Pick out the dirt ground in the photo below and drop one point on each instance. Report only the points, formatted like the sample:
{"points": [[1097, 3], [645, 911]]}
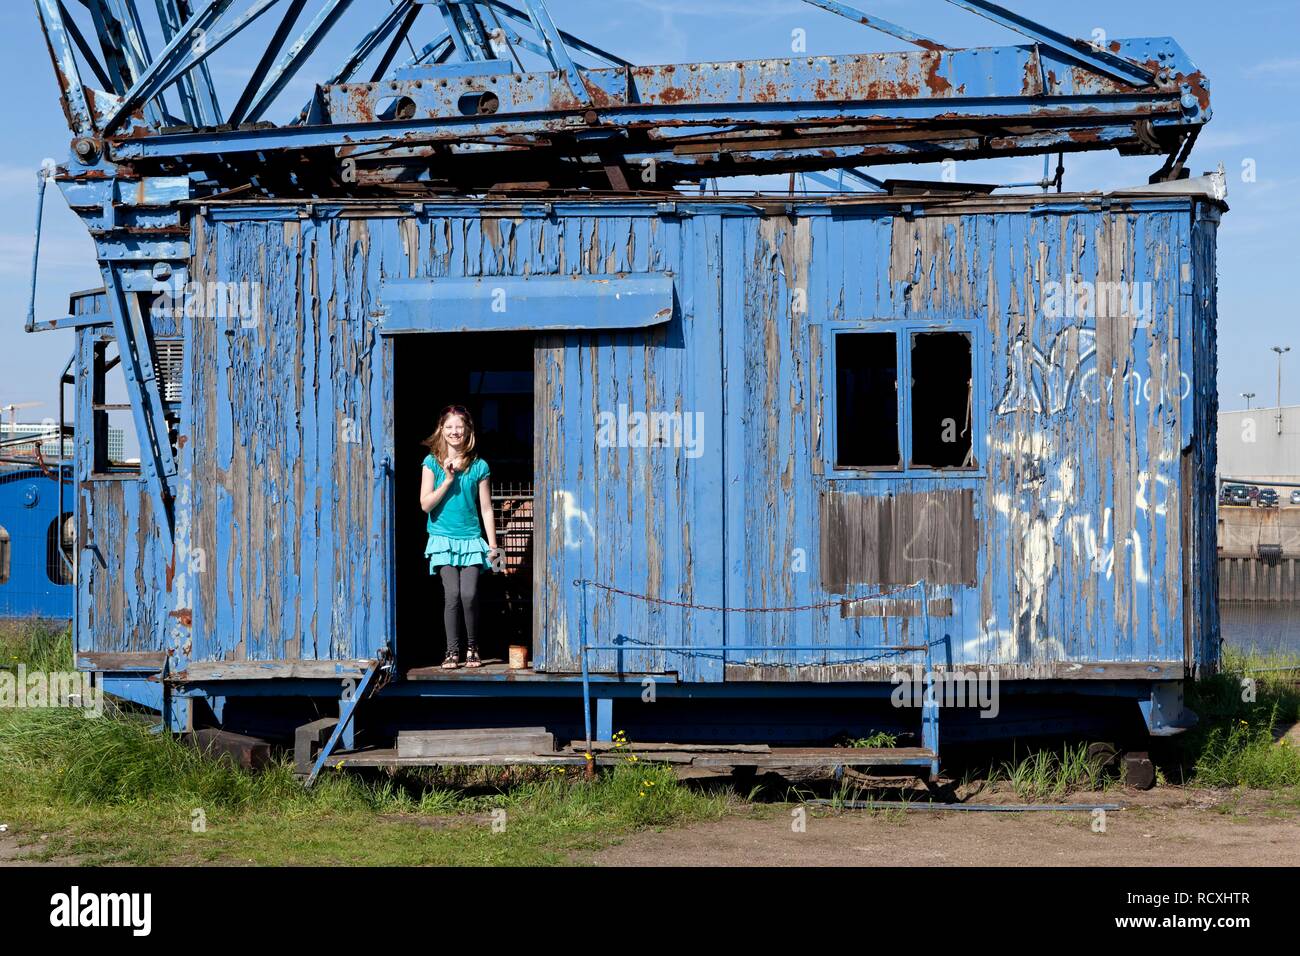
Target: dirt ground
{"points": [[13, 854], [1169, 827]]}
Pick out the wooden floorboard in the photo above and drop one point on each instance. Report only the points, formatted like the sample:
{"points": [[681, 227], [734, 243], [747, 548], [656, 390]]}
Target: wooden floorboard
{"points": [[496, 670], [775, 757]]}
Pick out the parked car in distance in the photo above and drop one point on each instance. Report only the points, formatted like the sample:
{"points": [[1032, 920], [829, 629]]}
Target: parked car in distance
{"points": [[1253, 491], [1268, 498], [1235, 495], [1295, 496]]}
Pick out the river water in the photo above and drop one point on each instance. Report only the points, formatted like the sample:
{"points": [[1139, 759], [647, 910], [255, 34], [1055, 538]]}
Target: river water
{"points": [[1266, 628]]}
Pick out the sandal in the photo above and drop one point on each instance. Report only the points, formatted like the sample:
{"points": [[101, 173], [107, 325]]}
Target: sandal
{"points": [[471, 658], [451, 661]]}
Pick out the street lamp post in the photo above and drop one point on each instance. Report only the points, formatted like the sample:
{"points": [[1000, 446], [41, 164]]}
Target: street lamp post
{"points": [[1247, 396], [1280, 350]]}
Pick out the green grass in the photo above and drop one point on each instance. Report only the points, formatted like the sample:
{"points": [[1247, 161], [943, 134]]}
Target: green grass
{"points": [[1045, 774], [108, 790], [1234, 745], [1246, 755], [38, 644]]}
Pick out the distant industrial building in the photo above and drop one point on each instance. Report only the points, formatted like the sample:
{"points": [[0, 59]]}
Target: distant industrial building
{"points": [[50, 448], [1252, 446], [1259, 547]]}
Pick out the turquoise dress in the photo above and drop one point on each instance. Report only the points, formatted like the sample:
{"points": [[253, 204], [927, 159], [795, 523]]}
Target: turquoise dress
{"points": [[454, 531]]}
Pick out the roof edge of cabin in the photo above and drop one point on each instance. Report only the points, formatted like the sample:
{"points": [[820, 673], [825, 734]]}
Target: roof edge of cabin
{"points": [[756, 204]]}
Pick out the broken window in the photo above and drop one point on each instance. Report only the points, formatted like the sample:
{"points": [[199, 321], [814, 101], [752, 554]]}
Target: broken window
{"points": [[866, 400], [941, 400], [115, 447], [903, 408]]}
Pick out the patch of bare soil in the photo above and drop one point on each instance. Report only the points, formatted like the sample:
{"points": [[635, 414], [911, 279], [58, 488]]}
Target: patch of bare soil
{"points": [[1167, 827], [438, 823], [16, 852]]}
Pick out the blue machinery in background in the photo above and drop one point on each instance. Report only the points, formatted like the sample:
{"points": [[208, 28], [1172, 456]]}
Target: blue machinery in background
{"points": [[35, 568], [463, 111]]}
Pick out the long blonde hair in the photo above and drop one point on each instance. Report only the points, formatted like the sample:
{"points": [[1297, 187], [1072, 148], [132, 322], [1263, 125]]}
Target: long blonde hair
{"points": [[437, 444]]}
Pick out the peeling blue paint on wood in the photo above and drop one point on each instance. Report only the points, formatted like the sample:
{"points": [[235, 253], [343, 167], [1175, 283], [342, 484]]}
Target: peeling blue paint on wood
{"points": [[1087, 518]]}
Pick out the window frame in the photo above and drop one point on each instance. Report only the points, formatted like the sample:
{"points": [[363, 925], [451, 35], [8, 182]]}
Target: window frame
{"points": [[903, 331], [833, 404], [101, 368]]}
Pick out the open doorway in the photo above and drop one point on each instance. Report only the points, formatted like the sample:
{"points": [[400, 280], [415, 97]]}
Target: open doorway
{"points": [[491, 374]]}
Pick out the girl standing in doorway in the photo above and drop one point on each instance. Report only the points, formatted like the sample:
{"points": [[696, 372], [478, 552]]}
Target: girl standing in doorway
{"points": [[453, 493]]}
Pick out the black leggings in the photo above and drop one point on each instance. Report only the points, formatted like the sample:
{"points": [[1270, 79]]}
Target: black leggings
{"points": [[460, 588]]}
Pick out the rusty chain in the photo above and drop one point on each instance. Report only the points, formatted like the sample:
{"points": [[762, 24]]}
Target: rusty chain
{"points": [[581, 582]]}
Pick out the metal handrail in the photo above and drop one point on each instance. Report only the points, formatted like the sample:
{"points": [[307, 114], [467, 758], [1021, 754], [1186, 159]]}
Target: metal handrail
{"points": [[929, 709]]}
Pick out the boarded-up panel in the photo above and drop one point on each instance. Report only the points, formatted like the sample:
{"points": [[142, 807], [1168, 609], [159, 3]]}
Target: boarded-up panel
{"points": [[927, 536]]}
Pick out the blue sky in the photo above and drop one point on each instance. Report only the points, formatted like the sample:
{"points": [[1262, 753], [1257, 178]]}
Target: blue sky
{"points": [[1247, 49]]}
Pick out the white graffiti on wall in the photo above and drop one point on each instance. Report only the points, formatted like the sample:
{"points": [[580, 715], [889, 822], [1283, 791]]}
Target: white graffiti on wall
{"points": [[1043, 382], [1098, 546], [933, 524], [1047, 519], [570, 521], [1002, 644], [1047, 382], [1162, 490], [1035, 514]]}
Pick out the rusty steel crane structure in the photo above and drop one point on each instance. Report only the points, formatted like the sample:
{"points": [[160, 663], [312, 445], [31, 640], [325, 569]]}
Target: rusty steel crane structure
{"points": [[444, 95]]}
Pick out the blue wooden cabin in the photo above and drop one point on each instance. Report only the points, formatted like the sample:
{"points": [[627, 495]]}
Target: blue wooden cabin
{"points": [[804, 358], [754, 455]]}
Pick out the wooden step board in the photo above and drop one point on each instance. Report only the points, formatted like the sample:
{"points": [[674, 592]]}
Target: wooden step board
{"points": [[507, 741], [768, 758], [605, 746]]}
